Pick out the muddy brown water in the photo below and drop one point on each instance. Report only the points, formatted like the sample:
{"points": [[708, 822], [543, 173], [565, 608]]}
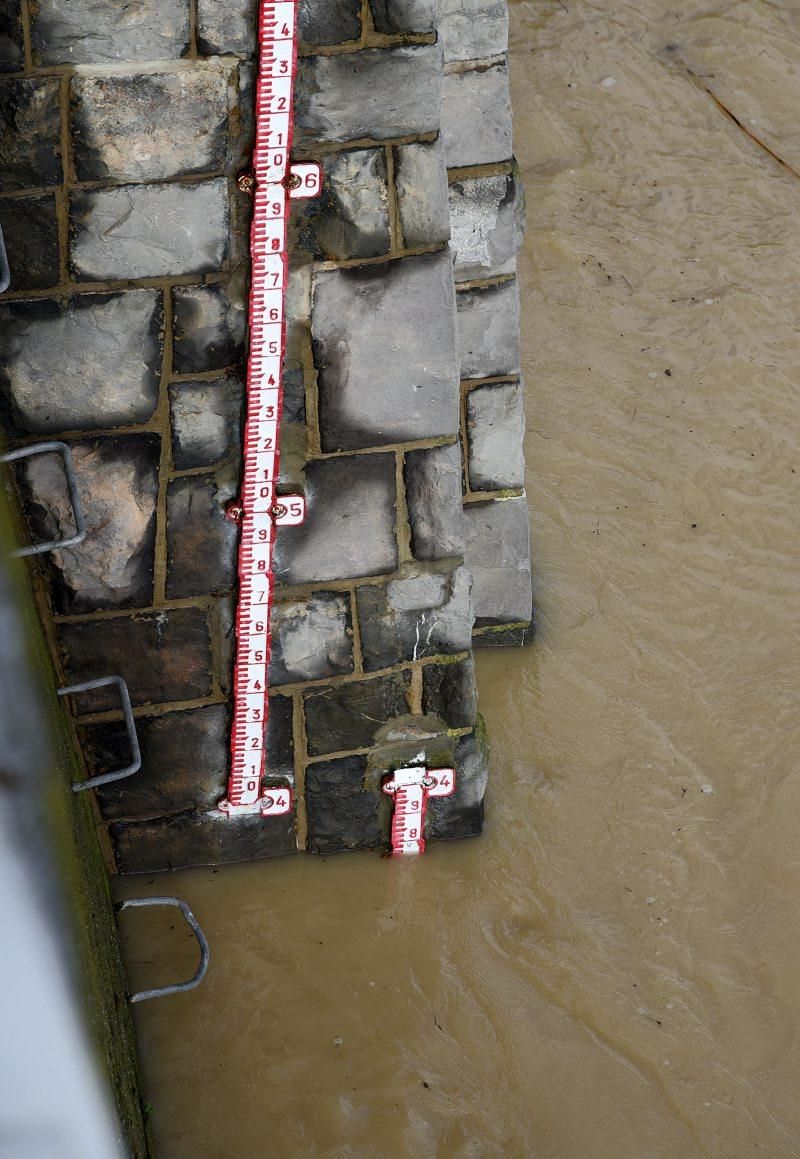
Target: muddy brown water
{"points": [[614, 968]]}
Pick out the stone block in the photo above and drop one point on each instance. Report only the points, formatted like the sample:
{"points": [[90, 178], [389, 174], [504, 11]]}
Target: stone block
{"points": [[206, 421], [476, 117], [434, 498], [85, 32], [384, 348], [495, 432], [425, 611], [421, 179], [329, 21], [117, 480], [30, 127], [488, 330], [473, 29], [30, 232], [12, 44], [163, 656], [201, 542], [199, 839], [145, 127], [349, 530], [311, 639], [209, 327], [351, 217], [293, 437], [377, 94], [487, 223], [342, 813], [148, 231], [459, 816], [504, 636], [497, 553], [227, 26], [410, 740], [450, 692], [347, 715], [83, 338], [185, 762], [404, 15]]}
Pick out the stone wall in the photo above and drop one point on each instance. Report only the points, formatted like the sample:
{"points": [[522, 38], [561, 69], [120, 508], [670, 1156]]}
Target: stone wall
{"points": [[124, 333]]}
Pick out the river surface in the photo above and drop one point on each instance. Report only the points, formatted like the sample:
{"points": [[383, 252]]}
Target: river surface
{"points": [[613, 970]]}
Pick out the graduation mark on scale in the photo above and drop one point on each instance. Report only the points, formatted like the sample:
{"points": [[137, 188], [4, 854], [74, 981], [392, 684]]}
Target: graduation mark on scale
{"points": [[259, 510]]}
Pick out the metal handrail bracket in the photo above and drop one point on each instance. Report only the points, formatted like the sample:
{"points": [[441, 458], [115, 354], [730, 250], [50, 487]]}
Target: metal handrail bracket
{"points": [[130, 724], [192, 922], [77, 512]]}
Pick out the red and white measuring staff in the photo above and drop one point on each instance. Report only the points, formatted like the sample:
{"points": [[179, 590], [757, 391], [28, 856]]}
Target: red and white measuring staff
{"points": [[411, 789], [259, 511]]}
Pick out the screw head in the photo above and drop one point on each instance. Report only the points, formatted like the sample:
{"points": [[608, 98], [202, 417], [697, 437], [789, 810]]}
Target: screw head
{"points": [[293, 181], [246, 182]]}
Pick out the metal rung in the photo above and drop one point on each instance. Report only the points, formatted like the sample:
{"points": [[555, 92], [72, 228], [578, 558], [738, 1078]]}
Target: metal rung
{"points": [[5, 272], [177, 987], [130, 724], [69, 471]]}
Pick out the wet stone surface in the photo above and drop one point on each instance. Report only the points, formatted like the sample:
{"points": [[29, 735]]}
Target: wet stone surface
{"points": [[30, 126], [350, 219], [404, 15], [83, 336], [452, 818], [347, 716], [349, 530], [487, 223], [425, 611], [81, 33], [30, 233], [201, 541], [144, 231], [163, 656], [147, 127], [206, 421], [342, 814], [12, 44], [497, 553], [199, 839], [495, 432], [227, 26], [434, 496], [329, 21], [311, 639], [402, 316], [479, 97], [488, 330], [449, 691], [210, 323], [117, 480], [421, 178]]}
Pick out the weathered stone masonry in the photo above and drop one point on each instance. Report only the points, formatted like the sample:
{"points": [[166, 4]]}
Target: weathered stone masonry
{"points": [[123, 130]]}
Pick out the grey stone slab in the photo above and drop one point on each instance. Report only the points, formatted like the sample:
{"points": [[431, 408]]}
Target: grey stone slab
{"points": [[108, 31], [117, 481], [497, 553], [30, 233], [488, 330], [473, 29], [424, 611], [384, 348], [329, 21], [476, 117], [413, 740], [450, 692], [145, 231], [206, 421], [56, 358], [201, 541], [376, 93], [145, 127], [163, 656], [209, 326], [351, 217], [311, 639], [495, 432], [347, 715], [504, 636], [434, 492], [30, 127], [349, 530], [487, 223], [459, 816], [199, 839], [404, 15], [421, 180], [12, 44], [227, 26], [343, 814]]}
